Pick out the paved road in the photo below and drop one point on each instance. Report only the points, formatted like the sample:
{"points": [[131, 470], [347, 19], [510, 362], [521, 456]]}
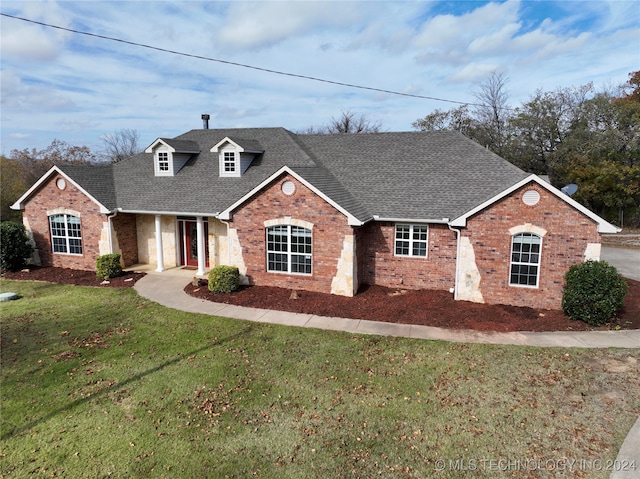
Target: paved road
{"points": [[626, 260]]}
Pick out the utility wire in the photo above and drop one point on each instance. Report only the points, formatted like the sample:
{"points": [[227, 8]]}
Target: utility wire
{"points": [[242, 65]]}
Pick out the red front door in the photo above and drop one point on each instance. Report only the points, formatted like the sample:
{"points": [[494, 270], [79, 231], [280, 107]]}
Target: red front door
{"points": [[189, 243]]}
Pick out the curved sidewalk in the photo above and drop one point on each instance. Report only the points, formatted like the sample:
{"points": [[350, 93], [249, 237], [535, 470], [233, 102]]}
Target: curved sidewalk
{"points": [[167, 290]]}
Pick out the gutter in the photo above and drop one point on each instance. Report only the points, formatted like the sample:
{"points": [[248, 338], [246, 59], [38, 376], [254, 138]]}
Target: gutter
{"points": [[455, 281], [442, 221], [109, 229]]}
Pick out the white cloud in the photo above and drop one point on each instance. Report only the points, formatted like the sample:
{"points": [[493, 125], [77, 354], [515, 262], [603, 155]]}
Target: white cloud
{"points": [[250, 25], [17, 94], [82, 87]]}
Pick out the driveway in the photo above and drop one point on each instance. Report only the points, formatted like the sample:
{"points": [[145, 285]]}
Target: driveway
{"points": [[626, 260]]}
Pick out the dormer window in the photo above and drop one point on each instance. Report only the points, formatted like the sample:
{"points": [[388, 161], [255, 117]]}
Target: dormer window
{"points": [[163, 161], [229, 162], [235, 155], [170, 155]]}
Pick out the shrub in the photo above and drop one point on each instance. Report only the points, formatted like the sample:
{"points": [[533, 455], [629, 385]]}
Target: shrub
{"points": [[593, 292], [224, 279], [15, 247], [108, 266]]}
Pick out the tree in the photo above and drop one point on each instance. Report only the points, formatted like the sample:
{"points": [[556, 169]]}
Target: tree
{"points": [[13, 183], [348, 122], [457, 119], [120, 145], [492, 118]]}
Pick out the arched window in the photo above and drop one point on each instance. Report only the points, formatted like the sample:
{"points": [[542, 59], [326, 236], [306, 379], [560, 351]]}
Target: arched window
{"points": [[525, 260], [66, 234], [289, 249]]}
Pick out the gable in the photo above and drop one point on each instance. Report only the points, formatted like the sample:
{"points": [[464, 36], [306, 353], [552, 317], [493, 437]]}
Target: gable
{"points": [[227, 214], [100, 184], [603, 226]]}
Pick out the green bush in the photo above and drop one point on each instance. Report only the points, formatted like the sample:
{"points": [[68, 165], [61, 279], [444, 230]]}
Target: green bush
{"points": [[108, 266], [224, 279], [15, 248], [593, 292]]}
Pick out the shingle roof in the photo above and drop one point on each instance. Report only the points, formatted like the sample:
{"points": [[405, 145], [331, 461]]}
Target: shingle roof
{"points": [[412, 175], [182, 145], [96, 180]]}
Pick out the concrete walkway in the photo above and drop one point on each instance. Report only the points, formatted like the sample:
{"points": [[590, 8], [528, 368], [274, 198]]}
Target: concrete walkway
{"points": [[167, 289]]}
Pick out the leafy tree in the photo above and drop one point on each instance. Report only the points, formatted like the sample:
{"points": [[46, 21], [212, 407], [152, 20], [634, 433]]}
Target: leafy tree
{"points": [[456, 119], [120, 145], [37, 162], [13, 183]]}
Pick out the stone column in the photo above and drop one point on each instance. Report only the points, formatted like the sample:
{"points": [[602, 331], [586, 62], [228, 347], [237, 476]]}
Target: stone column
{"points": [[159, 255]]}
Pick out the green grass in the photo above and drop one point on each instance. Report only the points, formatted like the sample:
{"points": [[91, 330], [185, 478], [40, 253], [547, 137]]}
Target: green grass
{"points": [[103, 383]]}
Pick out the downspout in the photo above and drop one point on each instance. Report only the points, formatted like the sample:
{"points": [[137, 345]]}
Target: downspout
{"points": [[109, 227], [455, 282]]}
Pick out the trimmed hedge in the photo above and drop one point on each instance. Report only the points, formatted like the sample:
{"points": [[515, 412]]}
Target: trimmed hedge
{"points": [[108, 266], [593, 292], [15, 248], [224, 279]]}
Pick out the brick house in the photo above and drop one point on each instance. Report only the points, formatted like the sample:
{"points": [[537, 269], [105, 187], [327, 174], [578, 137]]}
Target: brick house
{"points": [[324, 213]]}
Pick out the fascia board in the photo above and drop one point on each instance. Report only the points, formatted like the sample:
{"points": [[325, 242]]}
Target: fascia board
{"points": [[168, 213], [226, 139], [603, 226], [441, 221], [226, 215], [159, 141], [238, 147], [18, 205]]}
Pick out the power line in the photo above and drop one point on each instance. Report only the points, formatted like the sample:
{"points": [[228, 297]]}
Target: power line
{"points": [[242, 65]]}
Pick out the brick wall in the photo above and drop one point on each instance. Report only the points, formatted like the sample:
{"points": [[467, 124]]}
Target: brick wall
{"points": [[564, 244], [125, 232], [379, 265], [50, 197], [329, 230]]}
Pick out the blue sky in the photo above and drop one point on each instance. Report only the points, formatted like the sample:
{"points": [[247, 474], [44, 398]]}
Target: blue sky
{"points": [[59, 85]]}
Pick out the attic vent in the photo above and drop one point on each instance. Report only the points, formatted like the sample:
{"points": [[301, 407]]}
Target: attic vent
{"points": [[288, 187], [531, 197]]}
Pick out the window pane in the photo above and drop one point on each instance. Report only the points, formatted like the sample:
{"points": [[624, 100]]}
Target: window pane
{"points": [[525, 257], [420, 249], [66, 234], [402, 247], [289, 249]]}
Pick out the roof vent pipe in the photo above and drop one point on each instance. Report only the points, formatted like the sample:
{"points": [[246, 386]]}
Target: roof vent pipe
{"points": [[205, 121]]}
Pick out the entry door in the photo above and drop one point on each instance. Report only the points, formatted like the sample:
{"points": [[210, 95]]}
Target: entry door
{"points": [[189, 243]]}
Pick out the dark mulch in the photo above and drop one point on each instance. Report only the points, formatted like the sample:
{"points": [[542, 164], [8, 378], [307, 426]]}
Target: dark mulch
{"points": [[423, 307], [73, 276], [376, 303]]}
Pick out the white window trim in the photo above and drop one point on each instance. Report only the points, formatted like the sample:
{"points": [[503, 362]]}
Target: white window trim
{"points": [[236, 157], [156, 162], [411, 241], [538, 264], [66, 236], [289, 253]]}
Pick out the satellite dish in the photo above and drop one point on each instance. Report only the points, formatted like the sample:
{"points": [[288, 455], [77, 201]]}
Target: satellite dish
{"points": [[570, 189]]}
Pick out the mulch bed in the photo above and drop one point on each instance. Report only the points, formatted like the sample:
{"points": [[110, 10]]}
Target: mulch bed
{"points": [[72, 276], [421, 307], [376, 303]]}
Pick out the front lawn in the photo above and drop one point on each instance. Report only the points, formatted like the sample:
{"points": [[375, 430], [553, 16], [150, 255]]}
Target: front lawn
{"points": [[103, 383]]}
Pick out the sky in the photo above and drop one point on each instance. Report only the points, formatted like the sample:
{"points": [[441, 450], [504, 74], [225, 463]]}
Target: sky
{"points": [[56, 84]]}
